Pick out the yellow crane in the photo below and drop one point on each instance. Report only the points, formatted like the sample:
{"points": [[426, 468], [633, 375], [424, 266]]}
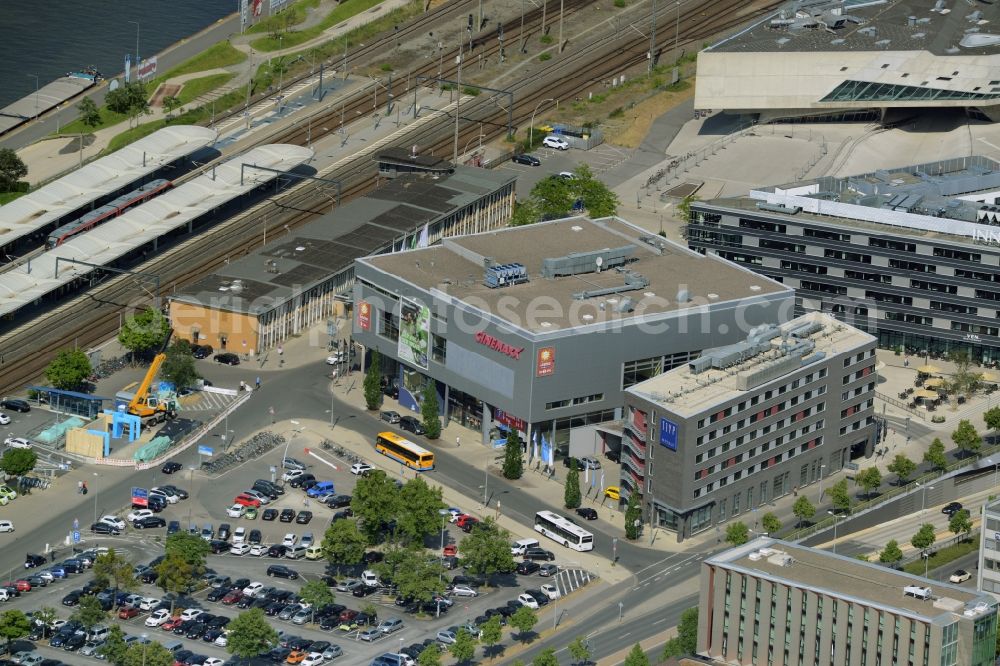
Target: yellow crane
{"points": [[147, 406]]}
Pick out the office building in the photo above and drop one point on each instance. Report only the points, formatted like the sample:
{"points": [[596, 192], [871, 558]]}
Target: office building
{"points": [[988, 569]]}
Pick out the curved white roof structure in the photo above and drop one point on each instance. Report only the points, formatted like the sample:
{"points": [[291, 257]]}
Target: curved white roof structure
{"points": [[131, 230], [100, 178]]}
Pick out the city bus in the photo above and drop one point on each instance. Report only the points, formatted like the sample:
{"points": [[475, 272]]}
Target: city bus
{"points": [[565, 532], [401, 449]]}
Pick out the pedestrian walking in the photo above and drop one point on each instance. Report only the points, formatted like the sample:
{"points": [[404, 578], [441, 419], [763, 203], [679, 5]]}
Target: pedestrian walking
{"points": [[458, 442], [79, 487], [258, 382]]}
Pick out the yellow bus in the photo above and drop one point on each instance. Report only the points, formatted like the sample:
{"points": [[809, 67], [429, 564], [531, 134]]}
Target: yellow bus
{"points": [[401, 449]]}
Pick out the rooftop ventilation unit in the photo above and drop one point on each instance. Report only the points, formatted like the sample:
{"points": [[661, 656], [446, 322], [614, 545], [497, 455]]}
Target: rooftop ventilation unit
{"points": [[778, 208], [505, 275], [917, 591], [579, 263], [633, 281], [870, 31]]}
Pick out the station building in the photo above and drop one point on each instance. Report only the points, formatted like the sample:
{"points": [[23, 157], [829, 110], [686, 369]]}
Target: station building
{"points": [[911, 255], [747, 423], [304, 276], [541, 328]]}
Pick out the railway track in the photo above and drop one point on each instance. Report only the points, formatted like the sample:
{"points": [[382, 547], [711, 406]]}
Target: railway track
{"points": [[92, 317]]}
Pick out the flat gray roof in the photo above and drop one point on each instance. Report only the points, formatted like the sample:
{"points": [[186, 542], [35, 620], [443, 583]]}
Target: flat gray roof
{"points": [[50, 95], [455, 269]]}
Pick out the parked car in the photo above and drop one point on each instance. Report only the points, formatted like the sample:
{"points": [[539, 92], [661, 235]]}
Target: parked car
{"points": [[614, 493], [269, 514], [227, 358], [15, 405], [170, 467], [287, 515], [959, 576], [527, 567], [149, 522], [360, 468], [389, 416], [587, 513], [282, 571], [201, 351], [524, 158], [411, 424], [552, 141]]}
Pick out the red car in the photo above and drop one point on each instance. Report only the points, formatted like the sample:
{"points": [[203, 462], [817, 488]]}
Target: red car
{"points": [[347, 615], [171, 624], [450, 550], [246, 500], [466, 519], [23, 586], [233, 597], [128, 613]]}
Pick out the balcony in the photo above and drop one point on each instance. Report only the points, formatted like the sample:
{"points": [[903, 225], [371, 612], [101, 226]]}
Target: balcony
{"points": [[636, 478], [638, 421], [638, 465], [636, 448], [638, 434]]}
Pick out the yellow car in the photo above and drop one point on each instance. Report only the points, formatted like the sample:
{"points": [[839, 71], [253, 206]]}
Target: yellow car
{"points": [[612, 492], [7, 492]]}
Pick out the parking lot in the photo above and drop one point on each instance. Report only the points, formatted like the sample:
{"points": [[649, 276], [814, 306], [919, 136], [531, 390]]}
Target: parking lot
{"points": [[600, 159]]}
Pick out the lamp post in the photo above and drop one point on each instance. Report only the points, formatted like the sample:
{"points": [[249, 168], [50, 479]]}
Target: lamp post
{"points": [[821, 468], [927, 561], [136, 49], [677, 31], [531, 125], [95, 500], [458, 98], [145, 642], [836, 519], [923, 500], [35, 77]]}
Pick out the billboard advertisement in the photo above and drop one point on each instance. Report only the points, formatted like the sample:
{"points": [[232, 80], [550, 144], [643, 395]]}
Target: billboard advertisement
{"points": [[414, 333], [546, 363], [668, 434], [147, 68], [365, 315]]}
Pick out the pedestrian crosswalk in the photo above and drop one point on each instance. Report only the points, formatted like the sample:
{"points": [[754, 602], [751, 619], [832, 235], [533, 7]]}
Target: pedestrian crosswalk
{"points": [[204, 401], [568, 580]]}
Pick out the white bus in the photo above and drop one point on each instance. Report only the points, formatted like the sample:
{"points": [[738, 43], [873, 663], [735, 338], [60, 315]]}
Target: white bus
{"points": [[565, 532]]}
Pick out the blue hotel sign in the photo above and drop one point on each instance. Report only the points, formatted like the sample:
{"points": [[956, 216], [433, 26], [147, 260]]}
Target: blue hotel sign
{"points": [[668, 434]]}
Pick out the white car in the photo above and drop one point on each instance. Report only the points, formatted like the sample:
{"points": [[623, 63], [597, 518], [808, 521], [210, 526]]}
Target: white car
{"points": [[4, 419], [334, 359], [171, 496], [6, 526], [236, 511], [555, 142], [313, 659], [463, 591], [114, 521], [292, 474], [360, 468], [17, 443], [252, 589], [959, 576], [191, 613], [223, 639], [138, 514], [528, 600], [239, 535], [289, 540], [214, 661], [158, 618], [258, 550], [148, 603], [551, 591], [239, 549]]}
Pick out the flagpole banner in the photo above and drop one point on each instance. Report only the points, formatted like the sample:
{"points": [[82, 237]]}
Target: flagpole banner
{"points": [[414, 333], [545, 450], [535, 436]]}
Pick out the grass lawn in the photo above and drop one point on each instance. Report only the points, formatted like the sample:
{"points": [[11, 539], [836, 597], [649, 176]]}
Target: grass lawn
{"points": [[342, 12], [108, 118], [943, 557], [197, 87], [222, 54], [292, 15], [7, 197]]}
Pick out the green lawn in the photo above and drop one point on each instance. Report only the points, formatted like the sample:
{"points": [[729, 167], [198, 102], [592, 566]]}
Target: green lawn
{"points": [[292, 15], [342, 12], [222, 54], [108, 118], [195, 88], [7, 197], [943, 557]]}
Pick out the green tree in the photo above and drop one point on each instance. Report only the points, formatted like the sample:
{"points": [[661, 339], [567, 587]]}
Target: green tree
{"points": [[684, 207], [422, 514], [464, 647], [68, 369], [598, 198], [525, 212], [960, 523], [686, 640], [90, 115], [129, 99], [178, 366], [152, 654], [579, 650], [992, 418], [546, 657], [144, 331], [491, 634], [903, 468], [430, 410], [964, 380], [891, 553], [317, 594], [737, 533], [633, 514], [636, 657], [18, 462], [373, 382], [191, 548], [935, 455], [376, 502], [430, 656], [924, 538], [771, 523], [553, 196], [171, 103], [524, 620], [115, 571], [45, 616], [412, 572], [250, 634], [176, 575], [840, 496], [803, 509], [966, 438], [114, 647], [869, 479], [571, 493], [513, 458], [12, 169], [14, 624], [343, 543], [89, 612], [486, 550]]}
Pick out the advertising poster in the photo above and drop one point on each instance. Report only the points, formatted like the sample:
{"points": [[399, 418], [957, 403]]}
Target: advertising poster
{"points": [[546, 364], [365, 315], [414, 333]]}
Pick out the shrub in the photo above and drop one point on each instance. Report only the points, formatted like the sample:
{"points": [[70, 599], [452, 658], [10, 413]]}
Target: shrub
{"points": [[545, 56]]}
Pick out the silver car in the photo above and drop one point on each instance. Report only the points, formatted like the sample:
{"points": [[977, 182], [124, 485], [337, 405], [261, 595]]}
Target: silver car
{"points": [[91, 648], [302, 616], [332, 652], [389, 416]]}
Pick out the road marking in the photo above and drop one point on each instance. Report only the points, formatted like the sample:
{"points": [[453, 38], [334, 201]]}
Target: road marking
{"points": [[626, 634], [661, 621]]}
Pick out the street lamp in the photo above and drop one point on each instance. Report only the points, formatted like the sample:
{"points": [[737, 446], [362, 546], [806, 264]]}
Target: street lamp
{"points": [[927, 561], [531, 125], [35, 77], [923, 500], [136, 49], [821, 468], [95, 500], [836, 519], [145, 642]]}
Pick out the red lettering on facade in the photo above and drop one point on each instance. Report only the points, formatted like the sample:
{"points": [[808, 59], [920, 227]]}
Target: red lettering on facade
{"points": [[498, 345]]}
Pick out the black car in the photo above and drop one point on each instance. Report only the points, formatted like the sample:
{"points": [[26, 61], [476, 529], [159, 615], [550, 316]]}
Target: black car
{"points": [[363, 590], [75, 642], [951, 508], [15, 405], [173, 527], [341, 515], [73, 566], [149, 576], [218, 546], [170, 467], [196, 631], [227, 358], [568, 462], [201, 351], [104, 528], [255, 538], [269, 514], [411, 424], [302, 478], [265, 488], [539, 554], [31, 561], [281, 571], [527, 567], [304, 517], [524, 158], [225, 531], [277, 550], [148, 522], [587, 512], [613, 455], [180, 492], [73, 598], [338, 501], [184, 627], [287, 515], [217, 594], [279, 654]]}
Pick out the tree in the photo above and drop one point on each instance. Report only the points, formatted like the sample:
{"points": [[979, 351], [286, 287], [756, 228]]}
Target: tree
{"points": [[176, 575], [513, 458], [89, 612], [68, 369], [737, 533], [840, 496], [423, 505], [903, 468], [992, 418], [966, 438], [116, 571], [491, 634], [546, 657], [373, 382], [45, 616], [129, 99], [430, 656], [178, 366], [633, 512], [803, 509], [90, 115], [686, 640], [771, 523], [464, 647], [12, 169], [636, 657], [143, 331], [151, 654], [14, 624], [525, 212], [553, 196], [524, 620], [571, 494], [317, 594], [960, 522], [486, 550], [891, 553], [430, 411], [343, 543], [935, 455], [18, 462], [250, 634], [869, 479], [598, 199], [924, 538], [412, 572], [375, 503], [114, 647], [579, 650], [171, 103], [964, 380], [190, 547]]}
